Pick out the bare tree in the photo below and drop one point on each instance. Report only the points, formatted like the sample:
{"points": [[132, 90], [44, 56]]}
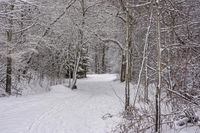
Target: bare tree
{"points": [[9, 58], [128, 44], [158, 88]]}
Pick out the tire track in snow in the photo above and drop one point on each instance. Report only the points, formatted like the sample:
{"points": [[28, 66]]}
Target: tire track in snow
{"points": [[63, 110], [50, 113], [37, 122]]}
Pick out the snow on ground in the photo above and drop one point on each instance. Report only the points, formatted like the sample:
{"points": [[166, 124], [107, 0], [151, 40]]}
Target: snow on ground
{"points": [[93, 108], [85, 110]]}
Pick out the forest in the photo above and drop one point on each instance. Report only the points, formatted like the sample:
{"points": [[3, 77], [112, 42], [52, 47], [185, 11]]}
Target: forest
{"points": [[99, 66]]}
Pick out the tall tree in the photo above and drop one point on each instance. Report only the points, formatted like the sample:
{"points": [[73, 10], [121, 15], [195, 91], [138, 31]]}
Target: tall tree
{"points": [[9, 42], [128, 44], [158, 88]]}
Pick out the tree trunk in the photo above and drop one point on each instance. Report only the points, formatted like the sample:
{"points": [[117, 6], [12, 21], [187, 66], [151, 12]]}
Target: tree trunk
{"points": [[76, 66], [128, 42], [79, 46], [9, 59], [146, 90], [144, 58], [8, 74], [96, 62], [158, 88], [103, 59], [70, 77], [123, 67]]}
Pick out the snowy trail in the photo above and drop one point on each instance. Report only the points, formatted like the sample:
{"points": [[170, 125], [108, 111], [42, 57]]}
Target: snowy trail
{"points": [[63, 110]]}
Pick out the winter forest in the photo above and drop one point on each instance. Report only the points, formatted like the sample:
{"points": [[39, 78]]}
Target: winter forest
{"points": [[99, 66]]}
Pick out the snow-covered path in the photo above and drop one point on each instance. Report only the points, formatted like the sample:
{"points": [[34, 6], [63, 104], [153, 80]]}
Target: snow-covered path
{"points": [[63, 110]]}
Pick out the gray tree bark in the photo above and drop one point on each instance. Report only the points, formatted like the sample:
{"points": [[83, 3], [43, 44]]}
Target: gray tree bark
{"points": [[9, 59], [128, 43], [158, 88]]}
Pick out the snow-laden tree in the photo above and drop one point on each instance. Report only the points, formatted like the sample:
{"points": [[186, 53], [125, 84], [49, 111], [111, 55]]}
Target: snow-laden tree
{"points": [[17, 17]]}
